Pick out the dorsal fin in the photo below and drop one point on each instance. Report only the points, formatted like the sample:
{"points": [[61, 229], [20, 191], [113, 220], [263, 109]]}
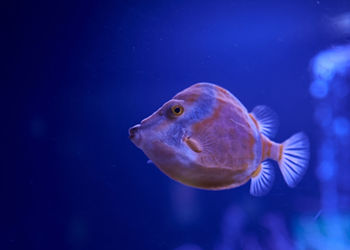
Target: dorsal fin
{"points": [[266, 120]]}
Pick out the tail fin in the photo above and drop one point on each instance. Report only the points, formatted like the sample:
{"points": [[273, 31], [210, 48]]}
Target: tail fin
{"points": [[294, 159]]}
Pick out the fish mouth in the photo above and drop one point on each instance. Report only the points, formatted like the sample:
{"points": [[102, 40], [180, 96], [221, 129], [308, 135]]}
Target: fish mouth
{"points": [[134, 134]]}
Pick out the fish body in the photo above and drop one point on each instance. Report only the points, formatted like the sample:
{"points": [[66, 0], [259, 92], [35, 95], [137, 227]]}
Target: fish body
{"points": [[204, 137]]}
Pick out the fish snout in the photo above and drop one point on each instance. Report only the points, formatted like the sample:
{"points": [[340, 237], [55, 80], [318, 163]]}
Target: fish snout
{"points": [[133, 131]]}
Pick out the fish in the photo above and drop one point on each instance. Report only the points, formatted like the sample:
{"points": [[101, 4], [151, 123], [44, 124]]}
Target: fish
{"points": [[204, 137]]}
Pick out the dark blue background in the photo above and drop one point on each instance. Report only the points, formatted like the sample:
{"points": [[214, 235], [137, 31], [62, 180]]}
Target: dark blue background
{"points": [[80, 73]]}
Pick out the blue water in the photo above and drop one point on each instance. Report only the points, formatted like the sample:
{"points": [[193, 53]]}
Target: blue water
{"points": [[81, 73]]}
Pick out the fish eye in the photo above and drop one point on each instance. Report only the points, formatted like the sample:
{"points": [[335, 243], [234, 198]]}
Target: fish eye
{"points": [[177, 110]]}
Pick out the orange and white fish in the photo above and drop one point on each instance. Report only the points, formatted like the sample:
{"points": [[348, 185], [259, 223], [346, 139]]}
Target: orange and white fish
{"points": [[205, 138]]}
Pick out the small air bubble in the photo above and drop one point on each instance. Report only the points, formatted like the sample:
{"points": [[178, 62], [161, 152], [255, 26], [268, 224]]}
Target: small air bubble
{"points": [[341, 126], [319, 89]]}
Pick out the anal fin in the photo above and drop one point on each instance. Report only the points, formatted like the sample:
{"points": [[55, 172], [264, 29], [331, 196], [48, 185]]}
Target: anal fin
{"points": [[262, 179]]}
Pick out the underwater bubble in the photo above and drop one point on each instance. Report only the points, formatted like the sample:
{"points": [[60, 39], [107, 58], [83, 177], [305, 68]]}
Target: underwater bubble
{"points": [[319, 89], [341, 126], [331, 62]]}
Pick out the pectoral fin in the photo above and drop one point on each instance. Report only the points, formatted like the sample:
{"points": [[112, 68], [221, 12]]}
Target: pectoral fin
{"points": [[193, 144]]}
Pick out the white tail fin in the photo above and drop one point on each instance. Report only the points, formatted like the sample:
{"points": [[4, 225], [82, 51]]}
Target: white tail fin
{"points": [[295, 158], [262, 182]]}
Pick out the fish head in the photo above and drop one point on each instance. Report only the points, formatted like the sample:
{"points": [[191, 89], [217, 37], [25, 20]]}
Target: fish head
{"points": [[161, 135], [165, 135]]}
